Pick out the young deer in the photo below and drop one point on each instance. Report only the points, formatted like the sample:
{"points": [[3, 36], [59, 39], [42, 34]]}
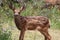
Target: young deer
{"points": [[39, 23]]}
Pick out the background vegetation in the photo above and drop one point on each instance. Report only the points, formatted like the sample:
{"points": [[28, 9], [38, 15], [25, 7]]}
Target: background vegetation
{"points": [[33, 8]]}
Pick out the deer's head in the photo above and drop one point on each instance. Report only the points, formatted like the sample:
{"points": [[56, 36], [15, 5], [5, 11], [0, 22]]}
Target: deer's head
{"points": [[15, 10]]}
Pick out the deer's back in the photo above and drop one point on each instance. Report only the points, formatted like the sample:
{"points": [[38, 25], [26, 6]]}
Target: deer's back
{"points": [[37, 19]]}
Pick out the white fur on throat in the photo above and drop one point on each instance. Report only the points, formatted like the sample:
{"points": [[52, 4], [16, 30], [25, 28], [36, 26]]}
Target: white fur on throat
{"points": [[16, 14]]}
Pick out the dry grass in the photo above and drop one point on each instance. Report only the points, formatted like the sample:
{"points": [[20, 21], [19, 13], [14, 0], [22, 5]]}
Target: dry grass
{"points": [[55, 34], [35, 35]]}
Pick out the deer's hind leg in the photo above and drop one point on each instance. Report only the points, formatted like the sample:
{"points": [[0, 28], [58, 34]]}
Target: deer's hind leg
{"points": [[46, 34]]}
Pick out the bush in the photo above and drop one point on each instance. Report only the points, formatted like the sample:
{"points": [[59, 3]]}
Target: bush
{"points": [[5, 35]]}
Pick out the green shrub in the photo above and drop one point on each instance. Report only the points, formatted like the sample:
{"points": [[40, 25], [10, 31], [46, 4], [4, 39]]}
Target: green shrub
{"points": [[5, 35]]}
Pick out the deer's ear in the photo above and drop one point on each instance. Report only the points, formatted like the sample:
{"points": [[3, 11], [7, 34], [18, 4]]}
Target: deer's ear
{"points": [[22, 8]]}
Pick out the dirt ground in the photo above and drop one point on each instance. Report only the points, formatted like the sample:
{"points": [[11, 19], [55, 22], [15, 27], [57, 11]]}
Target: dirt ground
{"points": [[55, 34], [36, 35]]}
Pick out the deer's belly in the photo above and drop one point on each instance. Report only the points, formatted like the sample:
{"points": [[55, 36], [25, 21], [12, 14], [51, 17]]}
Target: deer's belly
{"points": [[33, 25]]}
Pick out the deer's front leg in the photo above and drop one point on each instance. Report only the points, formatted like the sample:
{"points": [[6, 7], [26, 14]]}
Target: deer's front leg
{"points": [[22, 35]]}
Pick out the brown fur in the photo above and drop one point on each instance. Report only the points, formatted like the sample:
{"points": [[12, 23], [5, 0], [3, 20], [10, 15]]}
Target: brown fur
{"points": [[23, 23], [39, 23]]}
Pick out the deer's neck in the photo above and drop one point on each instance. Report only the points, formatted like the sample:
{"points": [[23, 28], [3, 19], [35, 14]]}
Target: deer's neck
{"points": [[19, 21]]}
